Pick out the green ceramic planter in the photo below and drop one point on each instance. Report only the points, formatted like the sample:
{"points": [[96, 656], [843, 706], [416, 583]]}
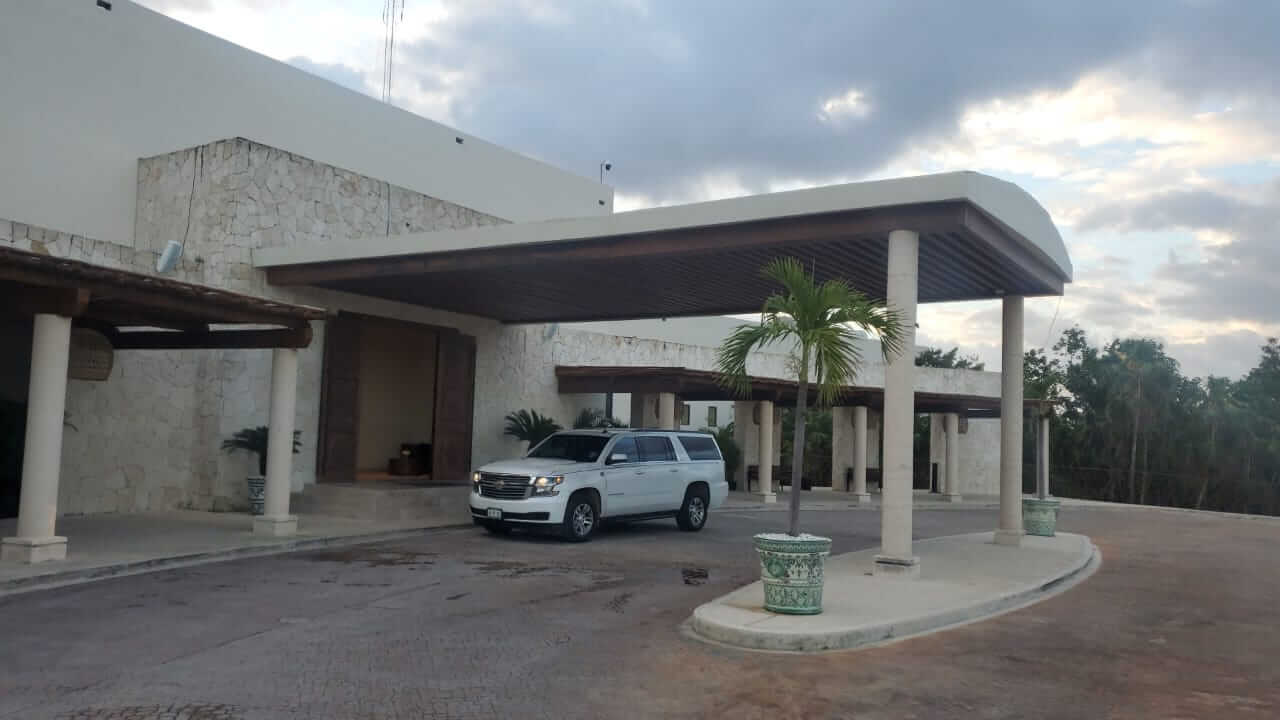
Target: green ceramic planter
{"points": [[791, 570], [1040, 517]]}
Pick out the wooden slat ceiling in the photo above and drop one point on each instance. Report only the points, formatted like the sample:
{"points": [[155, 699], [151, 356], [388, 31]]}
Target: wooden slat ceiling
{"points": [[704, 385], [108, 299], [964, 255]]}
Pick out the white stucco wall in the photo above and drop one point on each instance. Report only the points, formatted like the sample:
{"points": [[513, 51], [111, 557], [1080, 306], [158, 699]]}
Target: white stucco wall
{"points": [[87, 92], [148, 438]]}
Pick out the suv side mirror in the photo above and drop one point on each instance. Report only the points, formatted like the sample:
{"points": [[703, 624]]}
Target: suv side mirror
{"points": [[617, 458]]}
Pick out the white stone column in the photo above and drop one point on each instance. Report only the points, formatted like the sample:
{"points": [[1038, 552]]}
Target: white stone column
{"points": [[667, 411], [952, 464], [1042, 453], [1010, 530], [42, 453], [895, 556], [860, 494], [841, 447], [276, 520], [765, 444]]}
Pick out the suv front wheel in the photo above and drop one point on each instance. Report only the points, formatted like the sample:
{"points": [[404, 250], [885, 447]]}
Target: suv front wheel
{"points": [[581, 516], [693, 513]]}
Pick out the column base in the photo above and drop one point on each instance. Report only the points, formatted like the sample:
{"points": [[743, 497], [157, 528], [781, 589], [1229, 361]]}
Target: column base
{"points": [[763, 497], [275, 526], [1011, 538], [954, 497], [862, 498], [887, 566], [33, 550]]}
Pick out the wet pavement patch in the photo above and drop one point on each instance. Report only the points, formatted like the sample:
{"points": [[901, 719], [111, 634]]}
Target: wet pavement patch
{"points": [[201, 711], [372, 556], [694, 576], [506, 568]]}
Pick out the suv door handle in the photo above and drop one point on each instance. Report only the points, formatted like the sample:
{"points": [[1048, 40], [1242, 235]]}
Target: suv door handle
{"points": [[640, 472], [675, 469]]}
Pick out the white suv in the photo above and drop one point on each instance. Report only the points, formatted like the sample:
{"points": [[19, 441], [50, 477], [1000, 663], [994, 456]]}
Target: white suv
{"points": [[575, 479]]}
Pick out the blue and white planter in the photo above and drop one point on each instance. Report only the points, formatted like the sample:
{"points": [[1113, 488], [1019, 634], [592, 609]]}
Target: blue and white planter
{"points": [[257, 494], [791, 571]]}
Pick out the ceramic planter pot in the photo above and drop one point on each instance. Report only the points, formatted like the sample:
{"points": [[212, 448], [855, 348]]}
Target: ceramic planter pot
{"points": [[791, 570], [257, 494], [1040, 517]]}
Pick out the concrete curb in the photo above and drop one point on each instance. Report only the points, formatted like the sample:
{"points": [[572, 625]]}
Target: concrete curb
{"points": [[67, 578], [780, 507], [700, 626]]}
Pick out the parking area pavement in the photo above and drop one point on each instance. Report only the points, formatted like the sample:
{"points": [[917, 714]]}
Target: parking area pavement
{"points": [[458, 624]]}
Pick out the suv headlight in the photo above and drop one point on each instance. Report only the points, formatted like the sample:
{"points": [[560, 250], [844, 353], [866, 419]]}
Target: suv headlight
{"points": [[544, 486], [475, 482]]}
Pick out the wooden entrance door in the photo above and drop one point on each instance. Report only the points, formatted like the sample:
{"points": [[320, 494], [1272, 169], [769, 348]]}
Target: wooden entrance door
{"points": [[339, 400], [455, 398]]}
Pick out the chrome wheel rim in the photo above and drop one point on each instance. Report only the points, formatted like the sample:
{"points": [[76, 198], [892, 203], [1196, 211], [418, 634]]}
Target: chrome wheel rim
{"points": [[697, 511], [583, 519]]}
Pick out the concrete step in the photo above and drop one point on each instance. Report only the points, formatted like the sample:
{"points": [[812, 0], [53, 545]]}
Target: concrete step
{"points": [[384, 503]]}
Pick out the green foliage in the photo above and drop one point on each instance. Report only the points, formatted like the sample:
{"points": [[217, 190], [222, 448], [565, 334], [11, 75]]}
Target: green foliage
{"points": [[816, 320], [254, 440], [729, 450], [530, 426], [936, 358], [595, 418], [1130, 427], [817, 443]]}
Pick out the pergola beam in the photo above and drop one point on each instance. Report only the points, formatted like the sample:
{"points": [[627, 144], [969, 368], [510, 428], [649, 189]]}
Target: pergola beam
{"points": [[212, 339], [64, 301]]}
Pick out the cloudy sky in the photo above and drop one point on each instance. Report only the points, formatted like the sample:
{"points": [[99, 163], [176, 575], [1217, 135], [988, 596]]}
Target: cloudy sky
{"points": [[1149, 129]]}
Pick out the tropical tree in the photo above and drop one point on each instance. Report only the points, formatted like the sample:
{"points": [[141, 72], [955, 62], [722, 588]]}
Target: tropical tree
{"points": [[254, 440], [530, 426], [818, 321], [936, 358], [729, 450], [590, 418]]}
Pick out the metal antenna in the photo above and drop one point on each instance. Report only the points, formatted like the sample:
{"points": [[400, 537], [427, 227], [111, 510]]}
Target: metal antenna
{"points": [[392, 15]]}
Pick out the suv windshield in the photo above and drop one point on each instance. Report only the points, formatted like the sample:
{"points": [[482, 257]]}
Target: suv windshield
{"points": [[578, 448]]}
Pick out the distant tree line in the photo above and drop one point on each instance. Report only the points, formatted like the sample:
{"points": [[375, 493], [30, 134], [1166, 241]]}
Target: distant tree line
{"points": [[1129, 426]]}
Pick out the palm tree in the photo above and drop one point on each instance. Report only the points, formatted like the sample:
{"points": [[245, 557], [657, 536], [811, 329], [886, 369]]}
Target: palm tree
{"points": [[530, 425], [254, 440], [818, 319]]}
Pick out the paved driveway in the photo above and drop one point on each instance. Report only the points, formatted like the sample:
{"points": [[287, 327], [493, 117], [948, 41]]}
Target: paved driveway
{"points": [[1179, 622]]}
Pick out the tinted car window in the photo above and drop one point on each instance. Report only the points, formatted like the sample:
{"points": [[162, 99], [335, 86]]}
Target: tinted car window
{"points": [[655, 449], [626, 446], [578, 448], [700, 447]]}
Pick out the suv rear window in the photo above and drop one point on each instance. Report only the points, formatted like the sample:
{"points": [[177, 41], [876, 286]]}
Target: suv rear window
{"points": [[700, 447], [654, 448], [578, 448]]}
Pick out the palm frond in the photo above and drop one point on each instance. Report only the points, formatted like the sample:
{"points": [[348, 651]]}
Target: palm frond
{"points": [[530, 426]]}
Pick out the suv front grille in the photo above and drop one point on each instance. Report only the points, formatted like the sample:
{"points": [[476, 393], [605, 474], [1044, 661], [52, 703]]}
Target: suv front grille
{"points": [[504, 487]]}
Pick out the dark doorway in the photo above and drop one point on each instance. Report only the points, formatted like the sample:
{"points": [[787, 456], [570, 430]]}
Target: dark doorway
{"points": [[15, 373], [396, 402]]}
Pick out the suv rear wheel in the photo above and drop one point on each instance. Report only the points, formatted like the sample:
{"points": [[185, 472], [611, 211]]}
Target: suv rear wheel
{"points": [[693, 513], [581, 516]]}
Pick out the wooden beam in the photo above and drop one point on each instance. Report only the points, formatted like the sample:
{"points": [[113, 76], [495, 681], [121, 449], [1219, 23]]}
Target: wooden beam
{"points": [[212, 340], [935, 217], [32, 299]]}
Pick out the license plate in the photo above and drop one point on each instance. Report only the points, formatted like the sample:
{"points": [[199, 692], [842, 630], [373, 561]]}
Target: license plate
{"points": [[495, 514]]}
